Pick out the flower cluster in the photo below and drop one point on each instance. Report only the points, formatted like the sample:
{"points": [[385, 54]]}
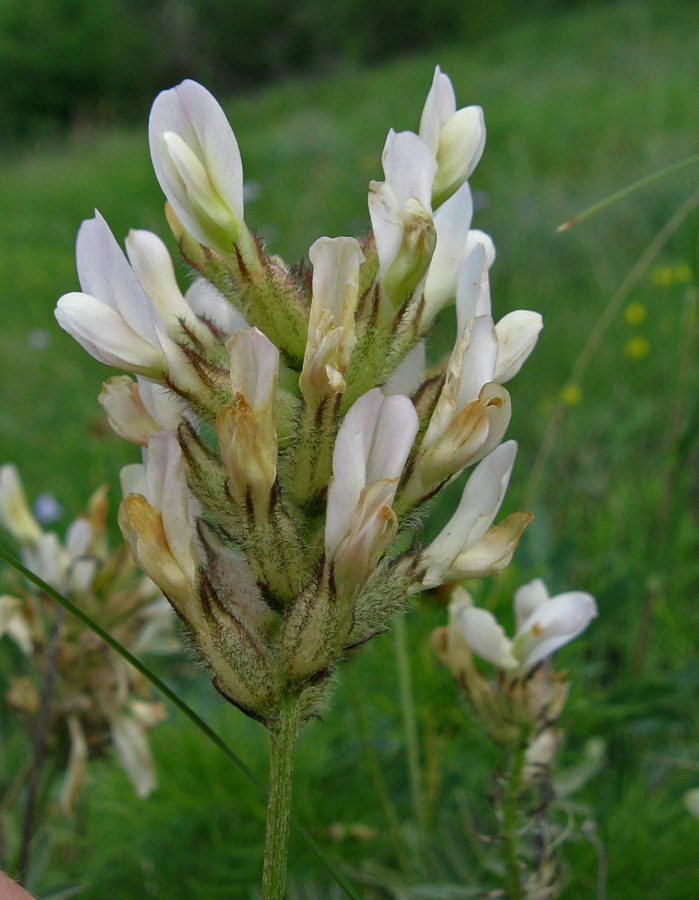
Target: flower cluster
{"points": [[519, 710], [289, 427], [93, 696], [523, 705]]}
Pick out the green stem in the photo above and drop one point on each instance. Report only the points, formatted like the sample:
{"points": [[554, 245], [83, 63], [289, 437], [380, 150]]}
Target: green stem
{"points": [[392, 822], [510, 810], [630, 189], [281, 766], [409, 721]]}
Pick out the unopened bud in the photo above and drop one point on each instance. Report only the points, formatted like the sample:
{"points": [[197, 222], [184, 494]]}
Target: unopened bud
{"points": [[413, 259]]}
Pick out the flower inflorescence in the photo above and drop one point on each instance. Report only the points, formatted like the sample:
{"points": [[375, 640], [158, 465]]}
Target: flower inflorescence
{"points": [[289, 426], [93, 698]]}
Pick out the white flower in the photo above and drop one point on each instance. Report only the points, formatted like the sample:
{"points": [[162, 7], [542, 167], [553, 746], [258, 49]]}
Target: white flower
{"points": [[14, 624], [113, 319], [371, 449], [517, 334], [543, 625], [473, 411], [401, 214], [198, 166], [409, 374], [49, 560], [129, 736], [138, 409], [455, 137], [456, 240], [331, 335], [211, 306], [156, 521], [151, 262], [467, 547], [246, 432], [15, 515]]}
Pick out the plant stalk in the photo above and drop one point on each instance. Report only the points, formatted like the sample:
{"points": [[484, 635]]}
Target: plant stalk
{"points": [[281, 766], [510, 811], [409, 720]]}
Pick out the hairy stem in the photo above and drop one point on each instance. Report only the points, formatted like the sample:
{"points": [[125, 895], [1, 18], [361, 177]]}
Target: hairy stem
{"points": [[510, 812], [281, 765]]}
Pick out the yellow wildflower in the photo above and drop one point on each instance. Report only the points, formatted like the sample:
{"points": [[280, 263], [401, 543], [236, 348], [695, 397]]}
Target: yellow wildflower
{"points": [[571, 395], [637, 348], [635, 313]]}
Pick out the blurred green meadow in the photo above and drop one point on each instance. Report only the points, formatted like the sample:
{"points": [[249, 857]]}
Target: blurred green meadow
{"points": [[576, 106]]}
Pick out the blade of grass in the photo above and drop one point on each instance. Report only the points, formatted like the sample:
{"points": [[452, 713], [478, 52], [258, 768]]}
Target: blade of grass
{"points": [[629, 189], [160, 686], [629, 283]]}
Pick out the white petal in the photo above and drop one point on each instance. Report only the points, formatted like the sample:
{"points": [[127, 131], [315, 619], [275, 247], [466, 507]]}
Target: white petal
{"points": [[409, 374], [193, 114], [440, 106], [475, 237], [482, 498], [48, 560], [452, 222], [461, 143], [410, 168], [552, 625], [79, 537], [131, 745], [167, 492], [254, 367], [528, 598], [479, 361], [77, 766], [473, 290], [164, 406], [486, 638], [105, 273], [386, 223], [15, 514], [210, 304], [517, 334], [106, 336], [153, 267], [336, 263], [372, 444], [133, 480]]}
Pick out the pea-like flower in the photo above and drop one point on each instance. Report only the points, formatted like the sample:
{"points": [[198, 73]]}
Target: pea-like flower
{"points": [[543, 624], [96, 698], [456, 137]]}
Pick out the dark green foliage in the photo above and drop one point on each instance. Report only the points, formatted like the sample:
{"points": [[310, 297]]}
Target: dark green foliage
{"points": [[67, 61]]}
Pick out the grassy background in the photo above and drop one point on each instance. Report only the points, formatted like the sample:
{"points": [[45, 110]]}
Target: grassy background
{"points": [[575, 106]]}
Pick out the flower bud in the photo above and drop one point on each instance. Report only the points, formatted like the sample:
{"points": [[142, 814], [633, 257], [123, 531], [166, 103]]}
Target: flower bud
{"points": [[401, 215], [157, 527], [246, 432], [128, 417], [456, 138], [331, 335], [371, 449], [412, 261], [198, 166]]}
